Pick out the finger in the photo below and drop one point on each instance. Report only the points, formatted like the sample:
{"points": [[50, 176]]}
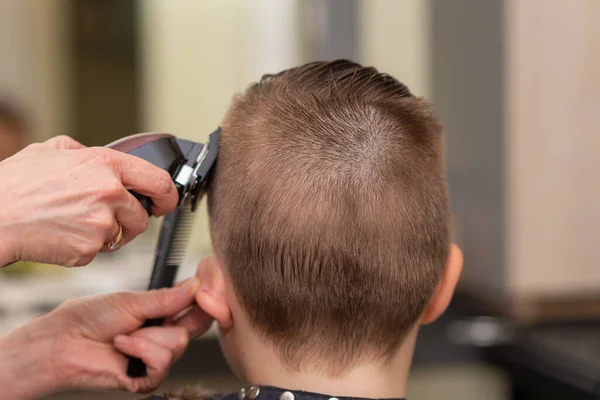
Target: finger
{"points": [[195, 321], [132, 217], [157, 359], [113, 237], [174, 338], [63, 142], [83, 261], [158, 303], [170, 320], [144, 178], [186, 282]]}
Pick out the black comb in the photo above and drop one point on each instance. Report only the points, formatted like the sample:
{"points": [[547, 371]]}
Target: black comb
{"points": [[170, 250]]}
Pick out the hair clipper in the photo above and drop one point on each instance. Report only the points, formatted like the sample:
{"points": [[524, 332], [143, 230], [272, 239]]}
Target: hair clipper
{"points": [[190, 165]]}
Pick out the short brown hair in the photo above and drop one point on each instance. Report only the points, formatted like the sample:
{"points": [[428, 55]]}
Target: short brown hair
{"points": [[329, 210]]}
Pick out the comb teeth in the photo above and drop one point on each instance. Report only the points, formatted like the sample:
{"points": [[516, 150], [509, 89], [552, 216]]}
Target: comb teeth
{"points": [[181, 232], [172, 242]]}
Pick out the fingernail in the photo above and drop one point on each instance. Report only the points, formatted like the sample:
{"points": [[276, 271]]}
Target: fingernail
{"points": [[122, 339], [190, 286]]}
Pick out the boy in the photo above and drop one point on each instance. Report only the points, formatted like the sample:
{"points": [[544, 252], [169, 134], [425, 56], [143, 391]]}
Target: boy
{"points": [[329, 218]]}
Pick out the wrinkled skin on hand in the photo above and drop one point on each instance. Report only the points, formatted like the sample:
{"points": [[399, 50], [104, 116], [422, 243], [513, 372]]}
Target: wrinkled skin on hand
{"points": [[83, 343], [61, 201]]}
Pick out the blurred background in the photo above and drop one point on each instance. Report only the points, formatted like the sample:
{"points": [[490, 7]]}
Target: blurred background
{"points": [[515, 82]]}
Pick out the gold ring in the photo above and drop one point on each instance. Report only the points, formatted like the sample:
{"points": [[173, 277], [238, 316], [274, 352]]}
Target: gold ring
{"points": [[115, 244]]}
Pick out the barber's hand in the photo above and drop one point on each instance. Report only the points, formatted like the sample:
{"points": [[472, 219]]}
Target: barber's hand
{"points": [[81, 343], [61, 202]]}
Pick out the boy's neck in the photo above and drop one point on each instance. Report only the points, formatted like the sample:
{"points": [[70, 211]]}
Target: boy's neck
{"points": [[367, 380]]}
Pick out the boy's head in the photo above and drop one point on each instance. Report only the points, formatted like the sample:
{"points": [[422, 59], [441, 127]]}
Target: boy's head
{"points": [[329, 217]]}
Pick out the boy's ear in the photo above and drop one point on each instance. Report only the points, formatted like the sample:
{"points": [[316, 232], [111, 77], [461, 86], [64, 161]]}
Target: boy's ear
{"points": [[445, 289], [212, 296]]}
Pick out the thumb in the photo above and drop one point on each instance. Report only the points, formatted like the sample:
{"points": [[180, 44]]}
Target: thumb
{"points": [[163, 302]]}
